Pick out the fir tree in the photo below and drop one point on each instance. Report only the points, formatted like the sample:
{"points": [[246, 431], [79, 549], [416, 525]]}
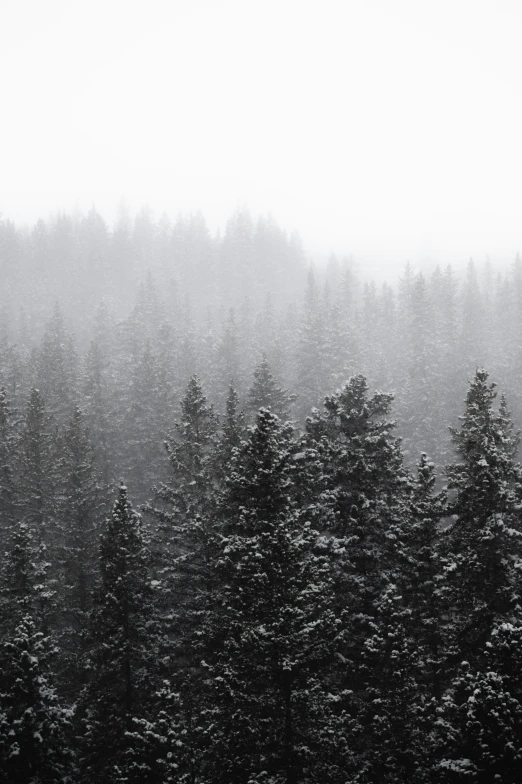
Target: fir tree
{"points": [[480, 722], [36, 484], [230, 434], [365, 485], [18, 577], [364, 494], [183, 507], [56, 365], [35, 469], [34, 727], [312, 375], [119, 663], [98, 409], [270, 628], [80, 503], [148, 415], [422, 572], [184, 512], [162, 748], [484, 544], [8, 444], [265, 393]]}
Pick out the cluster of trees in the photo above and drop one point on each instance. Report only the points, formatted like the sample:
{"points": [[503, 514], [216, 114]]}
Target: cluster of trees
{"points": [[300, 598], [144, 305], [292, 605]]}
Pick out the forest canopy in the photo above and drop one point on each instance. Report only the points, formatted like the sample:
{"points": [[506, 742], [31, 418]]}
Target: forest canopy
{"points": [[260, 523]]}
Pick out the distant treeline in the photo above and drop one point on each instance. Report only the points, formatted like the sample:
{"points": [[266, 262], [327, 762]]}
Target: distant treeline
{"points": [[117, 321]]}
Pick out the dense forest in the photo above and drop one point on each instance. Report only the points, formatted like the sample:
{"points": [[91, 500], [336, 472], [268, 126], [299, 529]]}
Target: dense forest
{"points": [[260, 523]]}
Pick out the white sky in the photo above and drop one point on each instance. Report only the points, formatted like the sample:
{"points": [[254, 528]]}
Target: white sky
{"points": [[387, 128]]}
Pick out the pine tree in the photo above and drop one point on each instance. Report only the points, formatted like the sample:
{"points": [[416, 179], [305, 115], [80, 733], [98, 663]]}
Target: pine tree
{"points": [[230, 434], [422, 579], [80, 503], [270, 628], [162, 749], [364, 481], [183, 507], [312, 374], [18, 578], [8, 444], [147, 418], [364, 496], [98, 409], [480, 729], [228, 360], [35, 469], [56, 366], [36, 494], [265, 392], [34, 727], [484, 544], [420, 414], [80, 506], [122, 652], [183, 515], [405, 651]]}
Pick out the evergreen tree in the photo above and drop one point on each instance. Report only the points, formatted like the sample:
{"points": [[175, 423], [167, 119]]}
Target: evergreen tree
{"points": [[312, 373], [99, 412], [80, 506], [147, 418], [34, 727], [422, 580], [271, 626], [56, 366], [484, 544], [36, 496], [8, 444], [364, 494], [80, 503], [18, 577], [122, 651], [183, 507], [480, 724], [24, 581], [365, 483], [162, 747], [265, 392], [230, 434], [35, 469], [183, 513], [228, 360], [420, 414]]}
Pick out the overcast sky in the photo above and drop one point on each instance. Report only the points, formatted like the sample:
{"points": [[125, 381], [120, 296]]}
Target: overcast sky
{"points": [[391, 129]]}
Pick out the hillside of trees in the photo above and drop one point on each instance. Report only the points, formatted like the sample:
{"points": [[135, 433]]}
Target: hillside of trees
{"points": [[260, 523]]}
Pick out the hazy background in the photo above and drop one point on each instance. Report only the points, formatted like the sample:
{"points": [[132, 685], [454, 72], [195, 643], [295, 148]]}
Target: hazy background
{"points": [[390, 129]]}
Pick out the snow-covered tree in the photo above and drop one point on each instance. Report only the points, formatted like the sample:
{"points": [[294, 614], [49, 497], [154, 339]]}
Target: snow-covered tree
{"points": [[271, 626], [479, 725], [34, 727], [36, 495], [56, 365], [484, 545], [265, 392], [120, 660], [182, 507], [8, 444]]}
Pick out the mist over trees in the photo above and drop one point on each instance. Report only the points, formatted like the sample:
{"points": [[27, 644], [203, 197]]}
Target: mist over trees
{"points": [[260, 523]]}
